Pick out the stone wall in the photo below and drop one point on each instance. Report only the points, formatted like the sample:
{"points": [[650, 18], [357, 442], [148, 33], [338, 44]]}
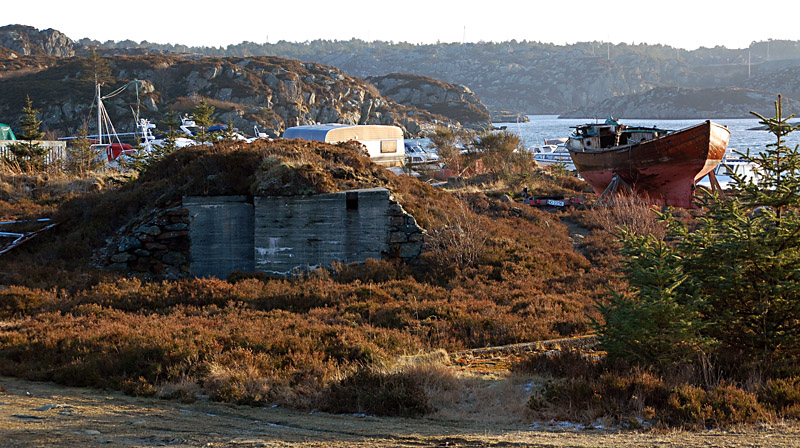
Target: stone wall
{"points": [[405, 236], [156, 246]]}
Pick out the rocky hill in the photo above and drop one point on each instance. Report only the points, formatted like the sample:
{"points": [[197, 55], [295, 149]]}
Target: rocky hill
{"points": [[785, 80], [450, 100], [533, 77], [268, 92], [672, 102], [27, 40], [547, 79]]}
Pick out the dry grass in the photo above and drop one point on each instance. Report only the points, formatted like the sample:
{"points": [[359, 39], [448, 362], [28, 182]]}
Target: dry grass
{"points": [[630, 213]]}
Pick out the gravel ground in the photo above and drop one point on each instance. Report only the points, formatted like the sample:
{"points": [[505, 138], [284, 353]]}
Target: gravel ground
{"points": [[43, 414]]}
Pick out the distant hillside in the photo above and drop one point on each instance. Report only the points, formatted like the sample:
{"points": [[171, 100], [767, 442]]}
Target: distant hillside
{"points": [[677, 102], [785, 81], [540, 78], [269, 92], [532, 77]]}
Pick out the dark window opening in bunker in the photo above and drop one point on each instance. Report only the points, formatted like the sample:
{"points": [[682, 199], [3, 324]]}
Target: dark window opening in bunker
{"points": [[351, 199]]}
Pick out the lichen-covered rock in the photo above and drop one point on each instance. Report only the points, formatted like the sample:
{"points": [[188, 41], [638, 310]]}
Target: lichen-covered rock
{"points": [[451, 100], [28, 40]]}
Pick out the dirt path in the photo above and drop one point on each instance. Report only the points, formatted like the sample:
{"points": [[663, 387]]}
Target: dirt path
{"points": [[43, 414]]}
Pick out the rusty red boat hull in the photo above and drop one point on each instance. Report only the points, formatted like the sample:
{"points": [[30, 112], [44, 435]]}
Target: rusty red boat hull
{"points": [[662, 170]]}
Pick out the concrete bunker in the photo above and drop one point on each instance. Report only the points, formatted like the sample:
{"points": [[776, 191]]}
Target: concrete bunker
{"points": [[290, 234]]}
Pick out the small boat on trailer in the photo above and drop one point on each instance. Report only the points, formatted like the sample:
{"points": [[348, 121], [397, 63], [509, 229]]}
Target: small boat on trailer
{"points": [[733, 162], [661, 166]]}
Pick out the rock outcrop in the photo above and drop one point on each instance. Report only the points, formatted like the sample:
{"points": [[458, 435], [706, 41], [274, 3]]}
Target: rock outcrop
{"points": [[27, 40], [680, 103], [451, 100], [268, 92]]}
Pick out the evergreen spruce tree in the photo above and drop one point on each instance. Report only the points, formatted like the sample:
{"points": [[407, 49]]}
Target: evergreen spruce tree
{"points": [[28, 153], [745, 258], [81, 157], [656, 323], [203, 116], [171, 123], [95, 68], [229, 132], [739, 273]]}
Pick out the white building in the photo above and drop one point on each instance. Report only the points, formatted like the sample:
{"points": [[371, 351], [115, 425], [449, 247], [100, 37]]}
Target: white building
{"points": [[385, 144]]}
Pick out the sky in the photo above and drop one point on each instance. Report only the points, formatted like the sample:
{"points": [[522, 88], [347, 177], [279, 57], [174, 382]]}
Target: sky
{"points": [[678, 23]]}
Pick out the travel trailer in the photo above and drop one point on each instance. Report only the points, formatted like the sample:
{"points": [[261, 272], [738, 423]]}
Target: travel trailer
{"points": [[385, 144]]}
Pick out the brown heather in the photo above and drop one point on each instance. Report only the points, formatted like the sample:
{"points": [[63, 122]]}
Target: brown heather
{"points": [[258, 340], [330, 340]]}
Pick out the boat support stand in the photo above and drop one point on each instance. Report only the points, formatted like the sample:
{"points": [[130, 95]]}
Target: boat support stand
{"points": [[715, 187], [612, 187]]}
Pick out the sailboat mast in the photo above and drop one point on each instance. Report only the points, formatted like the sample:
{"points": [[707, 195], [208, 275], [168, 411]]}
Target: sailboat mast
{"points": [[99, 114]]}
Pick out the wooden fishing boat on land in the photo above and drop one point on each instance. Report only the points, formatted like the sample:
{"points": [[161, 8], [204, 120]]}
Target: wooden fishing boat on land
{"points": [[659, 165]]}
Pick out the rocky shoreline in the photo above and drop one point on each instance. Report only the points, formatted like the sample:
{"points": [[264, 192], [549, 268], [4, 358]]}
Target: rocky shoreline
{"points": [[675, 103]]}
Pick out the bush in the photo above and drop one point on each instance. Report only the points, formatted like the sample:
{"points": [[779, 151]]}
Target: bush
{"points": [[722, 406], [372, 391], [622, 397], [687, 406], [460, 242], [559, 364], [16, 301], [783, 395]]}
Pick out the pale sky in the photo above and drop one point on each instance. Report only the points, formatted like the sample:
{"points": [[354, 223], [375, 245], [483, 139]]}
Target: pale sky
{"points": [[679, 23]]}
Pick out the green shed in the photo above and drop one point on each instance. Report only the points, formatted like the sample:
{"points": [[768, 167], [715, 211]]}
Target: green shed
{"points": [[6, 133]]}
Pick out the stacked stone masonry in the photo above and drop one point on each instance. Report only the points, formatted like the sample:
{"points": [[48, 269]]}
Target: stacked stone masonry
{"points": [[154, 247], [405, 235]]}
